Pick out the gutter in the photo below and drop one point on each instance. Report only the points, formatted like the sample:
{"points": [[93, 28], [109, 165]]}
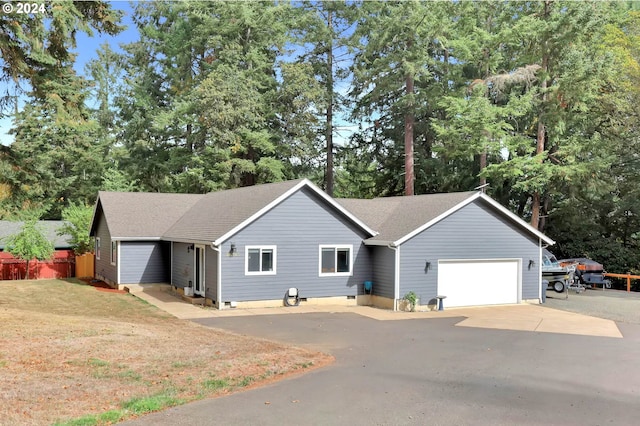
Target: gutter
{"points": [[396, 272], [219, 275]]}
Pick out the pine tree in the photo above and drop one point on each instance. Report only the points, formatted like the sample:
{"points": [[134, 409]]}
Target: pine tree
{"points": [[32, 46], [398, 76]]}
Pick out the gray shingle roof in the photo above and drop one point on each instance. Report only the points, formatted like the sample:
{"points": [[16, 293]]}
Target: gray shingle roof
{"points": [[396, 217], [143, 215], [217, 213], [49, 228]]}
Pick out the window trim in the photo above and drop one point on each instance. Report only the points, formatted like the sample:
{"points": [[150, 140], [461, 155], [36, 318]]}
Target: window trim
{"points": [[98, 248], [335, 247], [114, 251], [260, 247]]}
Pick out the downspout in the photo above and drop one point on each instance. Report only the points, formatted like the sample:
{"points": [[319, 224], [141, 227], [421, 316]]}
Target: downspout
{"points": [[118, 262], [219, 276], [540, 279], [396, 278], [540, 270]]}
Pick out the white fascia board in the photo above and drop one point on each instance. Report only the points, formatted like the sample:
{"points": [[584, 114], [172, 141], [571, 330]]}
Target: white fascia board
{"points": [[95, 212], [469, 200], [136, 238], [271, 205], [437, 219], [516, 219], [339, 207]]}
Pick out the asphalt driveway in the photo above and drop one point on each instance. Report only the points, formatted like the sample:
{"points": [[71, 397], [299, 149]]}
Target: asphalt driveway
{"points": [[428, 371]]}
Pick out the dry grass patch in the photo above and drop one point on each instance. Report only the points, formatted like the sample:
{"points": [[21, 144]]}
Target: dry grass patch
{"points": [[68, 350]]}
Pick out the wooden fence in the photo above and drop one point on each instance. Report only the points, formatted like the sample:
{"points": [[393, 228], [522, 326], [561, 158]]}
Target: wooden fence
{"points": [[62, 265], [629, 277], [85, 266]]}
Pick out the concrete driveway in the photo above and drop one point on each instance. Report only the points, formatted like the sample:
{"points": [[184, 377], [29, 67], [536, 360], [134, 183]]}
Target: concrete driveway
{"points": [[429, 371]]}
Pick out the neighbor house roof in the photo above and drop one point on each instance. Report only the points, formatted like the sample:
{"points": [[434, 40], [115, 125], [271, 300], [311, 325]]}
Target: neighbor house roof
{"points": [[49, 228], [398, 219], [218, 215], [141, 215]]}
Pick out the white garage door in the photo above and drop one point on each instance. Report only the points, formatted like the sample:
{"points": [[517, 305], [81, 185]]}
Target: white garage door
{"points": [[478, 282]]}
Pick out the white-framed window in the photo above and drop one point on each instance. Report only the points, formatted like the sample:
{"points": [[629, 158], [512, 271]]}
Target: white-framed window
{"points": [[114, 252], [97, 248], [260, 260], [335, 260]]}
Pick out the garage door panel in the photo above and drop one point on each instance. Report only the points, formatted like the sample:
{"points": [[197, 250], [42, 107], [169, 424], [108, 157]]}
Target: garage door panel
{"points": [[478, 282]]}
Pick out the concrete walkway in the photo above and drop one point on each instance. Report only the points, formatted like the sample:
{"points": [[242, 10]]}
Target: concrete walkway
{"points": [[522, 317]]}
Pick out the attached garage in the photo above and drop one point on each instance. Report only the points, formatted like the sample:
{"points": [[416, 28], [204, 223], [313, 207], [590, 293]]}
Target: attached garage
{"points": [[479, 282], [465, 246]]}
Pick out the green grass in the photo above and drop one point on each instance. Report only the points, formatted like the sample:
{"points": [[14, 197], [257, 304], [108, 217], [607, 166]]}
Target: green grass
{"points": [[153, 403], [130, 375], [246, 381], [96, 362], [135, 406], [215, 384]]}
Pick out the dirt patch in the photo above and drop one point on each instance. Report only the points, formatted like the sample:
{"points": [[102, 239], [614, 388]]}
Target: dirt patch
{"points": [[101, 285], [67, 350]]}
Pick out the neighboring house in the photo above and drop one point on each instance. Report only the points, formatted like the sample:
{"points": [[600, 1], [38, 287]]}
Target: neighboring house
{"points": [[248, 246], [61, 265]]}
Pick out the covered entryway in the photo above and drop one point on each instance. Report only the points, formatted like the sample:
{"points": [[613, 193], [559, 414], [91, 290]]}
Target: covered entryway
{"points": [[479, 282]]}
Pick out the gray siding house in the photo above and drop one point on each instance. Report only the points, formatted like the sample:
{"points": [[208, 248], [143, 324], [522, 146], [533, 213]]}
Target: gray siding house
{"points": [[248, 246], [464, 246], [128, 228]]}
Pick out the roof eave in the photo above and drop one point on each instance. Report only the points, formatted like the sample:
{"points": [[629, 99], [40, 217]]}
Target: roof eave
{"points": [[138, 238], [284, 196], [382, 243], [469, 200], [437, 219], [516, 219], [94, 224]]}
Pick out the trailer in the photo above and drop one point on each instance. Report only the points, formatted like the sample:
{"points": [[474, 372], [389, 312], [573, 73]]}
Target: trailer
{"points": [[588, 272]]}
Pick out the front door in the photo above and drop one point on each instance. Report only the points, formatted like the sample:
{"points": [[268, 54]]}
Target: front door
{"points": [[198, 287]]}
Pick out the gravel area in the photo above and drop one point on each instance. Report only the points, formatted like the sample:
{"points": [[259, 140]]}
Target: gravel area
{"points": [[615, 305]]}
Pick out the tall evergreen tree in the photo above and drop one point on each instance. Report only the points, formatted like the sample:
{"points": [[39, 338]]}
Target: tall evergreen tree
{"points": [[560, 37], [202, 76], [36, 44], [56, 155], [398, 74], [323, 29]]}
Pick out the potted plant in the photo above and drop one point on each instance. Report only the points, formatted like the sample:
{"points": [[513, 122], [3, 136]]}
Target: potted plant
{"points": [[411, 300]]}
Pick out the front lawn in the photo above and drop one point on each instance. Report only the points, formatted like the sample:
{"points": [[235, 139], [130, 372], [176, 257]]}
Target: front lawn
{"points": [[69, 351]]}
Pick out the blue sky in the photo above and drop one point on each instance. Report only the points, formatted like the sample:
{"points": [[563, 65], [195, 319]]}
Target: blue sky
{"points": [[86, 51]]}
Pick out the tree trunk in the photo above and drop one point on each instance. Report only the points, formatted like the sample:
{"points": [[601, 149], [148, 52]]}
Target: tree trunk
{"points": [[540, 142], [409, 177], [483, 165], [328, 179]]}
